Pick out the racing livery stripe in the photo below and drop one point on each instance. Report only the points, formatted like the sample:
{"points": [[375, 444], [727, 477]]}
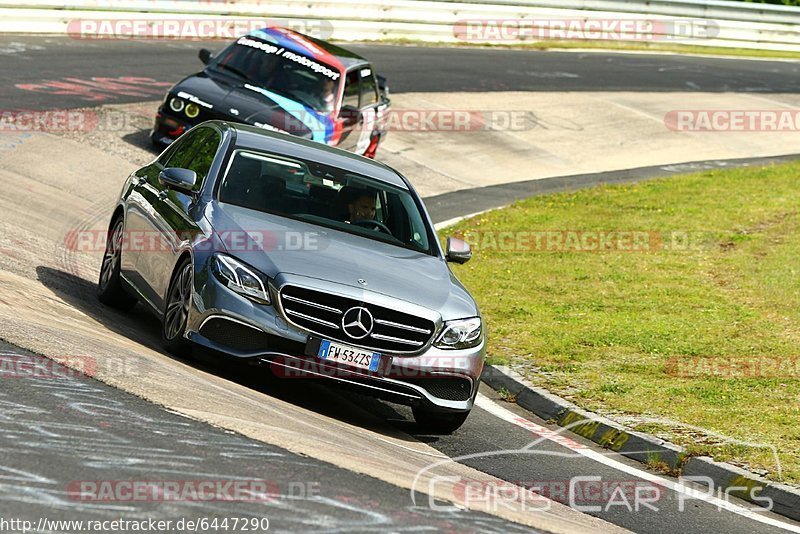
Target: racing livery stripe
{"points": [[321, 125]]}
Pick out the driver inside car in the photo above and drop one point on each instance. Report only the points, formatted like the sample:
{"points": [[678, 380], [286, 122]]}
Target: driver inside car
{"points": [[356, 204], [362, 207], [326, 96]]}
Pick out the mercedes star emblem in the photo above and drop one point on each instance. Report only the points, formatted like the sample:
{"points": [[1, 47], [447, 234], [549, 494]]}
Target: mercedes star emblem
{"points": [[357, 322]]}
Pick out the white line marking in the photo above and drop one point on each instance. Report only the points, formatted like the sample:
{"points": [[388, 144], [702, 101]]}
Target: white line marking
{"points": [[641, 113], [666, 53], [504, 414], [455, 220], [780, 103]]}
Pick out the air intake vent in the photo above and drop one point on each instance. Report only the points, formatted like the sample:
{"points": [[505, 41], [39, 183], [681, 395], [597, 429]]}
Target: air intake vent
{"points": [[448, 388], [246, 338]]}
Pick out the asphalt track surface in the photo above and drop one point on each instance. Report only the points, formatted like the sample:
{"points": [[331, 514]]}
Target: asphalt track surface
{"points": [[31, 61], [69, 429], [73, 429]]}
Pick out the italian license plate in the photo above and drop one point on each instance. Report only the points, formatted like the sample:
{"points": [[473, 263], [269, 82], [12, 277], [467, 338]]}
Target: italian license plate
{"points": [[336, 352]]}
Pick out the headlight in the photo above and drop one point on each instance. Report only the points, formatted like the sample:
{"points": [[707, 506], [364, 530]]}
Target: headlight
{"points": [[176, 104], [192, 110], [240, 278], [460, 334]]}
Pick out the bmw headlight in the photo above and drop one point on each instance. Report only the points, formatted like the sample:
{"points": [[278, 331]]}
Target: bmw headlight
{"points": [[192, 110], [240, 278], [176, 104], [460, 334]]}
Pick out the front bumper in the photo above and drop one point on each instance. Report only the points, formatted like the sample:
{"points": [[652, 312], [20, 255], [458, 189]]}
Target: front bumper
{"points": [[169, 126], [434, 379]]}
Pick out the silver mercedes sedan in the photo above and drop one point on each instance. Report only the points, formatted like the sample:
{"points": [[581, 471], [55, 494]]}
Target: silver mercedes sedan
{"points": [[321, 264]]}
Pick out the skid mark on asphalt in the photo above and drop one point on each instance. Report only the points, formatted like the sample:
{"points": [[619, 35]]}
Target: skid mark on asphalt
{"points": [[98, 89], [561, 438], [60, 429], [16, 47]]}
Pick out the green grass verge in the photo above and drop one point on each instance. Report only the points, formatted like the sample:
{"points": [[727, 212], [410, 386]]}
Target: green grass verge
{"points": [[668, 337], [611, 46]]}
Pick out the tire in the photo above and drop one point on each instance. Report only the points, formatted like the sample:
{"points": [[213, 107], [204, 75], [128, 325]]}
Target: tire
{"points": [[109, 285], [176, 310], [439, 423]]}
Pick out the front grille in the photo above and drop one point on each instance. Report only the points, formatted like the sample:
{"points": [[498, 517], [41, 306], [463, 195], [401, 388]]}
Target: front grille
{"points": [[447, 388], [245, 338], [392, 331]]}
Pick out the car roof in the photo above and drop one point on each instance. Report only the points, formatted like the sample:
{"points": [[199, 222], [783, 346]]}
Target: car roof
{"points": [[309, 46], [285, 144]]}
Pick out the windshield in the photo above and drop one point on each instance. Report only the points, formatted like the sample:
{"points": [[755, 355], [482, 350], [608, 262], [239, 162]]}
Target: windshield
{"points": [[285, 72], [327, 196]]}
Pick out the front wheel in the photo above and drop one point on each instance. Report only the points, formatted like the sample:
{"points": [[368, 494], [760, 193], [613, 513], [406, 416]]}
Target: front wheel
{"points": [[109, 286], [439, 423], [176, 310]]}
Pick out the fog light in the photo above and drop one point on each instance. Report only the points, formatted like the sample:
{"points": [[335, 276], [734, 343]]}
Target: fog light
{"points": [[192, 111]]}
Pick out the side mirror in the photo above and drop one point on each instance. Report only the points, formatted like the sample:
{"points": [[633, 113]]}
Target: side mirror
{"points": [[205, 55], [182, 180], [458, 250], [383, 86], [350, 115]]}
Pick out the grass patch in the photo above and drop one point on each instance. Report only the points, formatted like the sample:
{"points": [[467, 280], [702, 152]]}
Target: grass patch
{"points": [[611, 46], [699, 327], [506, 395]]}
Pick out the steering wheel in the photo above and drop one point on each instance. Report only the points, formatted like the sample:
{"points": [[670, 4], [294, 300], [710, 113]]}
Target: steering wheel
{"points": [[367, 223]]}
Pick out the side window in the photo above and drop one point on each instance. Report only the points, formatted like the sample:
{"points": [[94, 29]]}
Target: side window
{"points": [[204, 157], [196, 153], [186, 149], [176, 146], [369, 87], [351, 90]]}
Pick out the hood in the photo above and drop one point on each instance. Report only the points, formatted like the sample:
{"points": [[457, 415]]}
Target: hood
{"points": [[277, 245], [240, 101]]}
